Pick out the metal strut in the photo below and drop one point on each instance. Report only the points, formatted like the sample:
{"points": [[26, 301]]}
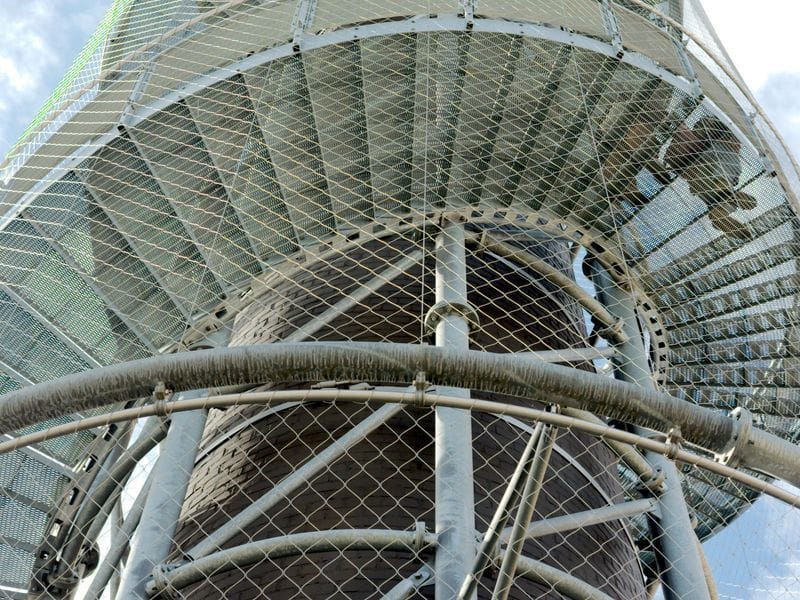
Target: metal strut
{"points": [[681, 571], [519, 531], [488, 548], [162, 507], [455, 502]]}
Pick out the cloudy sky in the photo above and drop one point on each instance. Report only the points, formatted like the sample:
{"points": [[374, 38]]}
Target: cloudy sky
{"points": [[757, 557], [39, 40], [762, 39], [41, 37]]}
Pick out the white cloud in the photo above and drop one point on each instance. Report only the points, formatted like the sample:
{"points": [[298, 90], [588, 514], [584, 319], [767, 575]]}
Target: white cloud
{"points": [[40, 39], [761, 37], [762, 40], [780, 97], [11, 76]]}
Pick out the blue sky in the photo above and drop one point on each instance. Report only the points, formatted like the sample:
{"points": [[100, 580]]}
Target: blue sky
{"points": [[758, 557], [40, 38]]}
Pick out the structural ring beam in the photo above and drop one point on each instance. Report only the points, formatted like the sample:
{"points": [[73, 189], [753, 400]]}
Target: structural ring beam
{"points": [[505, 374]]}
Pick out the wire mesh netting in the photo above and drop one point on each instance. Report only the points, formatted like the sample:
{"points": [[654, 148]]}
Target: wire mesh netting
{"points": [[577, 190]]}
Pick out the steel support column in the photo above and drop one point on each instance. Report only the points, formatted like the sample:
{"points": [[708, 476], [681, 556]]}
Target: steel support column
{"points": [[682, 572], [455, 502], [120, 541], [162, 508]]}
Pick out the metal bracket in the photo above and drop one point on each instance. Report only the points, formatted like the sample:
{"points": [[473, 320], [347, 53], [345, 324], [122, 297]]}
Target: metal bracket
{"points": [[743, 423], [612, 27], [301, 21], [443, 309]]}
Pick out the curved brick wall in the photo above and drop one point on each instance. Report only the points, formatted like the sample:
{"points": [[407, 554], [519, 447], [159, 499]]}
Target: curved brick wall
{"points": [[386, 481]]}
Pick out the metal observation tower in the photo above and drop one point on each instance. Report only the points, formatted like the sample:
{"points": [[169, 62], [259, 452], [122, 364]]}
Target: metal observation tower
{"points": [[394, 299]]}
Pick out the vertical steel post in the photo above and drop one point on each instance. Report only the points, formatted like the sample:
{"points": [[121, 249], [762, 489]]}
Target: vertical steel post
{"points": [[682, 574], [162, 509], [455, 503]]}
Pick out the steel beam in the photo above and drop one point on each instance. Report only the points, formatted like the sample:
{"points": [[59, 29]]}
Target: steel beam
{"points": [[120, 542], [68, 259], [355, 297], [585, 518], [51, 326], [487, 550], [40, 456], [153, 270], [162, 508], [15, 374], [681, 571], [627, 453], [564, 283], [455, 501], [183, 215], [568, 355], [196, 115], [86, 525], [559, 581]]}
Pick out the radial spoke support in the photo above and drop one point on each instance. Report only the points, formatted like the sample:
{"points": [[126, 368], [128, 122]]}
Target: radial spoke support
{"points": [[300, 476], [584, 518], [487, 549]]}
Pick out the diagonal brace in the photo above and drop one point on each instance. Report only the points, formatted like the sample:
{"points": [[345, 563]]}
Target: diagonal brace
{"points": [[519, 531]]}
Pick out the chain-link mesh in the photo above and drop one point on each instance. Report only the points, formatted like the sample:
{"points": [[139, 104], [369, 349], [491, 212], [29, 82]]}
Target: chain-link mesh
{"points": [[580, 185]]}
